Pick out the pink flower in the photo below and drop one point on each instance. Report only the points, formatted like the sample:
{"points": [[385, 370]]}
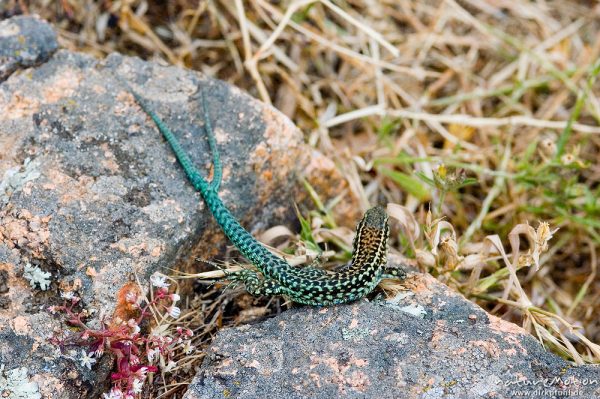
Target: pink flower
{"points": [[131, 297], [134, 360]]}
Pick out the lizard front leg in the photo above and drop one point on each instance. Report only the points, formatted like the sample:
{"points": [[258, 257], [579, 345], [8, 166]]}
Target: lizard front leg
{"points": [[394, 273]]}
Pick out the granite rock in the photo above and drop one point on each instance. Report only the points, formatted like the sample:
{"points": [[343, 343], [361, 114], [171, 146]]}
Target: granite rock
{"points": [[91, 194], [26, 41], [427, 342]]}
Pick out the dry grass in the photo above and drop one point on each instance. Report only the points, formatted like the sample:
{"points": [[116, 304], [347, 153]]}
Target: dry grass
{"points": [[479, 117]]}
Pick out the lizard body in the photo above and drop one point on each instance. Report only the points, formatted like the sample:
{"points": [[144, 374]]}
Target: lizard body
{"points": [[307, 285]]}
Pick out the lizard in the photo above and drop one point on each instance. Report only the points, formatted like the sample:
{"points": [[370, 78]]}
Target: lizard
{"points": [[308, 285]]}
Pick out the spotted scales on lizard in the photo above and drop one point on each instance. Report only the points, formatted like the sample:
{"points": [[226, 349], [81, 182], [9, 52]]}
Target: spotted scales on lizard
{"points": [[306, 285]]}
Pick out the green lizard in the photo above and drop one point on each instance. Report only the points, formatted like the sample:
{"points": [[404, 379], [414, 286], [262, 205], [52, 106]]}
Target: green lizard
{"points": [[306, 285]]}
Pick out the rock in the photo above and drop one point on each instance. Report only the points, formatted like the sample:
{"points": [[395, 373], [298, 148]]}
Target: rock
{"points": [[25, 42], [428, 342], [90, 193]]}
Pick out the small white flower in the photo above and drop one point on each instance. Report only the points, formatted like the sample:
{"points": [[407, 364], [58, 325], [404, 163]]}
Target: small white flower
{"points": [[174, 311], [152, 354], [114, 393], [100, 351], [131, 323], [35, 275], [170, 366], [68, 295], [159, 280], [137, 386], [175, 298], [86, 359], [188, 347]]}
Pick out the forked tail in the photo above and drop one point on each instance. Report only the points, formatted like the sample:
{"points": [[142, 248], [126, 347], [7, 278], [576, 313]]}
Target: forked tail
{"points": [[193, 174], [248, 245]]}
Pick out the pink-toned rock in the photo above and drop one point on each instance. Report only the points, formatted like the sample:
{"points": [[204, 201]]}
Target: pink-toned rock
{"points": [[90, 193], [428, 342]]}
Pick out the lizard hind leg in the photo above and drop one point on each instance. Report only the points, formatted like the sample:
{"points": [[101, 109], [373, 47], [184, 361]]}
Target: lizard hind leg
{"points": [[255, 283], [317, 262]]}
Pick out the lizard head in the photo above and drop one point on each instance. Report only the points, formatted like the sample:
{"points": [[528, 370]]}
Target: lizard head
{"points": [[376, 218]]}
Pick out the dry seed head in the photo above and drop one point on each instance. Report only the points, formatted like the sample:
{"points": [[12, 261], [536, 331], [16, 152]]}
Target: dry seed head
{"points": [[449, 250], [525, 260], [543, 235]]}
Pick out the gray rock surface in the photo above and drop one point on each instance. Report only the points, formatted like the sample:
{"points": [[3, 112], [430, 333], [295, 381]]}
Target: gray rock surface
{"points": [[427, 343], [26, 41], [90, 193]]}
